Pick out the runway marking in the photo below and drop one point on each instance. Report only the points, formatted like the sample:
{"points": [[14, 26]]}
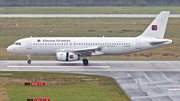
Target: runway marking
{"points": [[63, 66], [6, 74], [173, 89]]}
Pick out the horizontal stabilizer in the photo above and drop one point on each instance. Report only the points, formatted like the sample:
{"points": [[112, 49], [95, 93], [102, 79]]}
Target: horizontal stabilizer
{"points": [[161, 41], [157, 42]]}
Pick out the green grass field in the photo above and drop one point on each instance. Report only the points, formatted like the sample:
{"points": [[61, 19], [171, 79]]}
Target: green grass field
{"points": [[61, 87], [87, 27], [90, 10]]}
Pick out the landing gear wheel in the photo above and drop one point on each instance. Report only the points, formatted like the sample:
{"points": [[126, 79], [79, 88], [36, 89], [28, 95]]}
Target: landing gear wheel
{"points": [[85, 61], [29, 61]]}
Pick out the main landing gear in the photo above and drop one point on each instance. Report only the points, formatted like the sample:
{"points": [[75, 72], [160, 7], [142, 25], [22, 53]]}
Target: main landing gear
{"points": [[29, 59], [85, 61]]}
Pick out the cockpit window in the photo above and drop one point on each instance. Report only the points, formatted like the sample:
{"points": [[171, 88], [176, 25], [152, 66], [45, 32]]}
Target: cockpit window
{"points": [[17, 43]]}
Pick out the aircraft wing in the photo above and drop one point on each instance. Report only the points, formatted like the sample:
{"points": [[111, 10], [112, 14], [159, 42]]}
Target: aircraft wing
{"points": [[89, 51]]}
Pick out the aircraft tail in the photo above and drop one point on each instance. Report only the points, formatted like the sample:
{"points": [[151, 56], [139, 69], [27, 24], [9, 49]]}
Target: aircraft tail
{"points": [[157, 28]]}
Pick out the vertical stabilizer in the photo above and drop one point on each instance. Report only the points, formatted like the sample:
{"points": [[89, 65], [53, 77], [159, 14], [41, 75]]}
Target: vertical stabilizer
{"points": [[157, 28]]}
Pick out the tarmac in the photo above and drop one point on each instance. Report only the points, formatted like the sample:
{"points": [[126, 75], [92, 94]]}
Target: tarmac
{"points": [[140, 80], [83, 15]]}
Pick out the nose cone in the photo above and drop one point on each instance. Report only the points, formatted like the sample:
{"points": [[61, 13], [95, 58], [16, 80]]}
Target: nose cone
{"points": [[9, 49]]}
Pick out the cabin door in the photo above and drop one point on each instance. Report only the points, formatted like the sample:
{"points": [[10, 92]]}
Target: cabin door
{"points": [[29, 44], [138, 44]]}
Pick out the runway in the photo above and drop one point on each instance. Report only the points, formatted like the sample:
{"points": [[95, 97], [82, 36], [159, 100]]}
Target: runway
{"points": [[93, 66], [83, 15], [157, 80]]}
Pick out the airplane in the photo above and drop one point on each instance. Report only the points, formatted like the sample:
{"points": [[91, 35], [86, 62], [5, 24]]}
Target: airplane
{"points": [[72, 48]]}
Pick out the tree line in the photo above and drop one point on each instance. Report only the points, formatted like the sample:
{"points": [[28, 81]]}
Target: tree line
{"points": [[35, 3]]}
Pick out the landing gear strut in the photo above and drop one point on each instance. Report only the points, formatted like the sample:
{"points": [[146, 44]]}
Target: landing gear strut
{"points": [[85, 61], [29, 59]]}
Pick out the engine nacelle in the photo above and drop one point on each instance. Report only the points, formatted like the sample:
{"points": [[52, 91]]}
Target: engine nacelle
{"points": [[67, 56]]}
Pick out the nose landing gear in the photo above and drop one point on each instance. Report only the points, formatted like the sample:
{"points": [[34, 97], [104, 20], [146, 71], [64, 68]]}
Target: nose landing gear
{"points": [[29, 59]]}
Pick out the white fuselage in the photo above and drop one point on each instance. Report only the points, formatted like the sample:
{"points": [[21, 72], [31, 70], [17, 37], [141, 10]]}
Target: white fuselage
{"points": [[109, 45]]}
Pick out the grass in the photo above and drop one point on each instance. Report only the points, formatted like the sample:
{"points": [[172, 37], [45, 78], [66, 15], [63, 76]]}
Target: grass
{"points": [[90, 10], [62, 86], [73, 27]]}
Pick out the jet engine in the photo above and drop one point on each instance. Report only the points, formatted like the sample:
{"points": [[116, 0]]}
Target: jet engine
{"points": [[67, 56]]}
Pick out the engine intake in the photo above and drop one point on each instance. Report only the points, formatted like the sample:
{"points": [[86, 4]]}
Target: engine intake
{"points": [[67, 56]]}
